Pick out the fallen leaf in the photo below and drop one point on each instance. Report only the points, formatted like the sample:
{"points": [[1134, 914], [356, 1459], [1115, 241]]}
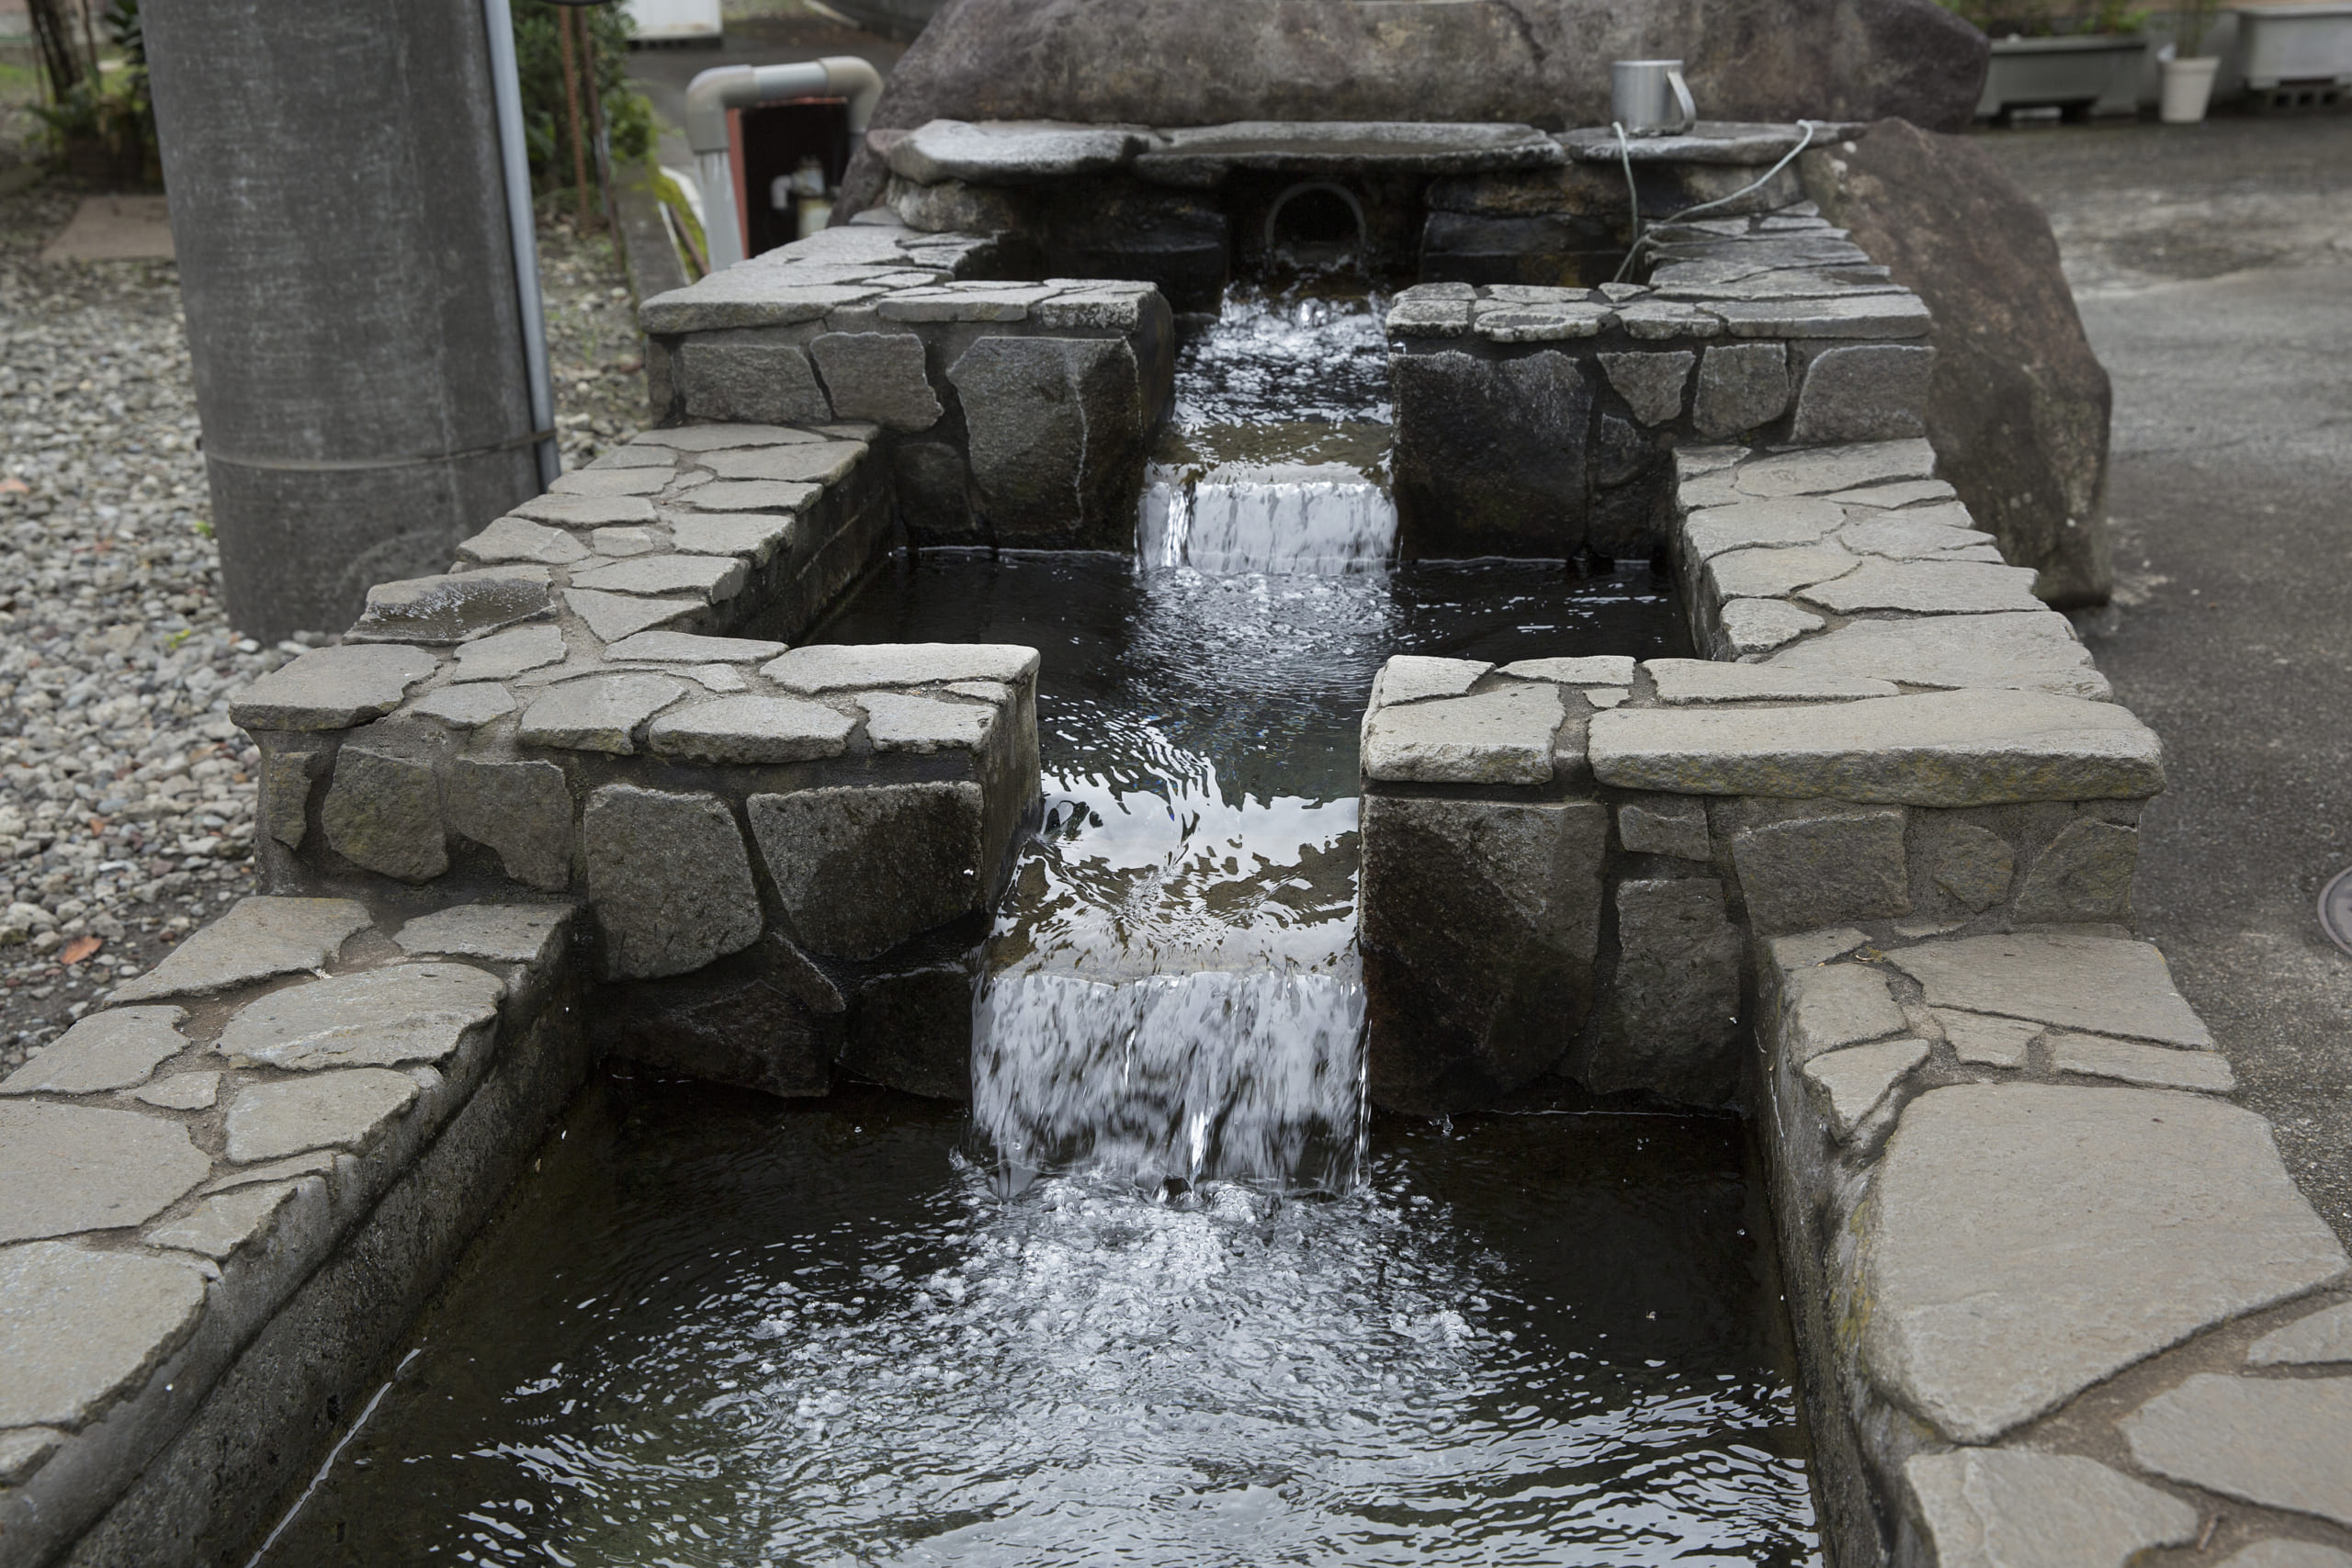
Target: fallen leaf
{"points": [[97, 826], [12, 485], [80, 948]]}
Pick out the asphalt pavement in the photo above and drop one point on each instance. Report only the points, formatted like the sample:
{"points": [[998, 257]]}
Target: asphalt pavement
{"points": [[2213, 268]]}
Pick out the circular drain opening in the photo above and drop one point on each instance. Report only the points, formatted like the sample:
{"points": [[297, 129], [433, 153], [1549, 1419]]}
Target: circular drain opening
{"points": [[2336, 909]]}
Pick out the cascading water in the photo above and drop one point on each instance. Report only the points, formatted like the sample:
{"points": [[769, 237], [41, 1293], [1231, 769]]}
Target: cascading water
{"points": [[1181, 1018]]}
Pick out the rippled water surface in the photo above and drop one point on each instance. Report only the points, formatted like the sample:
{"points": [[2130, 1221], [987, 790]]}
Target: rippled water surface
{"points": [[721, 1330]]}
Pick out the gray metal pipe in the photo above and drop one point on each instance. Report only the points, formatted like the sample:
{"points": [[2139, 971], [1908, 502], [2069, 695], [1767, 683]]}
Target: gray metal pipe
{"points": [[355, 309], [514, 159], [710, 94]]}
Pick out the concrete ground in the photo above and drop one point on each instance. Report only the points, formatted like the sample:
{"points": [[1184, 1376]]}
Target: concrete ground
{"points": [[2213, 268]]}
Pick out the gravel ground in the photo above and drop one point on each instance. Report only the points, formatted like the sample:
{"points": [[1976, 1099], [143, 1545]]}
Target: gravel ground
{"points": [[126, 799]]}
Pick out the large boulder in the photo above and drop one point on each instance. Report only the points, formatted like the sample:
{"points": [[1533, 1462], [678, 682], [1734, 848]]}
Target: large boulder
{"points": [[1543, 63], [2017, 407]]}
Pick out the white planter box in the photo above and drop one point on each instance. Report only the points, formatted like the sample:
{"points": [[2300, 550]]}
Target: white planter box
{"points": [[2295, 43], [2068, 73], [674, 21]]}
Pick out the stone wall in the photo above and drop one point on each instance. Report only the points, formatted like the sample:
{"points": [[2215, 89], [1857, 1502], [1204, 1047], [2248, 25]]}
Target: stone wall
{"points": [[1008, 413], [223, 1198]]}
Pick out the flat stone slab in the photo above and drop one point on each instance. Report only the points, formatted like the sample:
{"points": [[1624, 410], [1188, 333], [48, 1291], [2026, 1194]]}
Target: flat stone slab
{"points": [[2017, 1508], [1939, 749], [378, 1018], [844, 667], [469, 706], [2032, 651], [1199, 155], [2151, 1066], [1499, 736], [2322, 1338], [634, 479], [685, 648], [2023, 1242], [613, 616], [900, 723], [1826, 470], [503, 933], [712, 577], [599, 714], [1758, 626], [343, 1110], [1594, 669], [1012, 151], [520, 541], [83, 1327], [182, 1091], [586, 511], [1983, 1042], [2290, 1554], [1936, 588], [749, 495], [757, 535], [1853, 1083], [1681, 681], [117, 1049], [814, 463], [752, 729], [1740, 143], [2281, 1442], [68, 1168], [452, 608], [219, 1226], [692, 439], [259, 939], [2105, 984], [1770, 574], [1412, 678], [504, 655], [1758, 521], [333, 688], [1835, 1005]]}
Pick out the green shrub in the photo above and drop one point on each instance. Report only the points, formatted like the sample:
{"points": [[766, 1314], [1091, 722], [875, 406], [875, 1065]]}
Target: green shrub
{"points": [[538, 61]]}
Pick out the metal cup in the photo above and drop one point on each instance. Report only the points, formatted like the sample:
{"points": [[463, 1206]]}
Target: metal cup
{"points": [[1650, 97]]}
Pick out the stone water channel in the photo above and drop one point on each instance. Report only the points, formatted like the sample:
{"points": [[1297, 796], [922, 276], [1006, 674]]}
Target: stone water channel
{"points": [[1165, 1292]]}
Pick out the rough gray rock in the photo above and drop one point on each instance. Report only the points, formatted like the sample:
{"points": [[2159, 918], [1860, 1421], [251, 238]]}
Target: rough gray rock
{"points": [[503, 933], [1504, 736], [345, 1109], [820, 667], [68, 1168], [670, 880], [257, 939], [1940, 748], [1489, 455], [752, 729], [469, 706], [2290, 1554], [83, 1327], [1665, 825], [755, 381], [1741, 387], [1682, 681], [2025, 1241], [1875, 391], [1850, 1085], [2322, 1338], [521, 810], [1534, 62], [1670, 1023], [685, 647], [603, 713], [1594, 669], [1974, 865], [860, 870], [519, 541], [117, 1049], [382, 810], [2035, 651], [333, 688], [758, 536], [2082, 876], [1651, 384], [1823, 863], [378, 1018], [182, 1091], [1411, 677], [1059, 428], [286, 777], [746, 495], [1774, 520], [1768, 573], [1826, 470], [2019, 1509], [2281, 1442], [613, 616], [878, 376], [1758, 626], [2102, 983], [1000, 154], [1480, 923], [1986, 1042], [587, 511], [2019, 405]]}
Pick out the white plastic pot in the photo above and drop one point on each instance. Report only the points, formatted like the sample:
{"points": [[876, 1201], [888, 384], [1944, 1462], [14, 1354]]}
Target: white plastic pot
{"points": [[2188, 88]]}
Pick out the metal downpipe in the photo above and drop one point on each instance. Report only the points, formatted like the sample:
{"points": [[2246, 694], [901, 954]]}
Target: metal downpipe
{"points": [[513, 157]]}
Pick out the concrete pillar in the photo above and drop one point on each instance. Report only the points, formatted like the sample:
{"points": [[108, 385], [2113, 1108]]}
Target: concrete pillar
{"points": [[340, 215]]}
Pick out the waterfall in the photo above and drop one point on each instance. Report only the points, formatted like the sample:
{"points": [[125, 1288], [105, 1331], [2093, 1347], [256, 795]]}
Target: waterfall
{"points": [[1321, 518]]}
